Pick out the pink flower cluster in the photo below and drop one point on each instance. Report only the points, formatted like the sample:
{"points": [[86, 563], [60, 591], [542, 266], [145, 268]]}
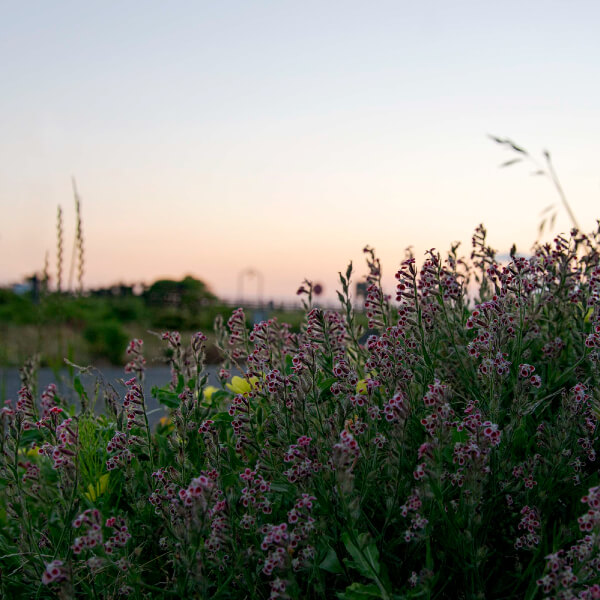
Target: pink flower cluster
{"points": [[48, 400], [396, 409], [167, 494], [347, 378], [25, 408], [345, 452], [173, 339], [417, 521], [574, 573], [237, 333], [137, 363], [90, 521], [301, 455], [436, 399], [262, 336], [119, 445], [253, 493], [133, 403], [55, 572], [390, 354], [280, 542], [525, 471], [199, 492], [63, 452], [327, 325], [589, 520], [119, 538], [530, 520]]}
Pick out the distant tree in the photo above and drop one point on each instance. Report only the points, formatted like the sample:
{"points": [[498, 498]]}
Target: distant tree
{"points": [[189, 293]]}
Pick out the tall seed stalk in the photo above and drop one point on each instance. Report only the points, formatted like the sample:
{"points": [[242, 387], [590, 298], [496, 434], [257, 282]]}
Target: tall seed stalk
{"points": [[77, 244], [59, 249], [550, 212], [46, 274]]}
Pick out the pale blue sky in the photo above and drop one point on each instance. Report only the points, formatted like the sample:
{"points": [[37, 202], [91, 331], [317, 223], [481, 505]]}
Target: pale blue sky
{"points": [[209, 137]]}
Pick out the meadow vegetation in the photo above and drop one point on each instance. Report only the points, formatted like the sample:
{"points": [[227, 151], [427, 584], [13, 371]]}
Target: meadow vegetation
{"points": [[97, 326], [450, 453]]}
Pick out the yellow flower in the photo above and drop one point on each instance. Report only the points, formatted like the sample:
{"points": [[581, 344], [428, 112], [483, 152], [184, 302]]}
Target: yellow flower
{"points": [[361, 387], [209, 390], [239, 385], [30, 452], [166, 423], [94, 491]]}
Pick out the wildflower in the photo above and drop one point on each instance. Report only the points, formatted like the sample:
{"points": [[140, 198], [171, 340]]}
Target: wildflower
{"points": [[242, 386], [48, 400], [526, 370], [208, 392], [535, 381], [166, 424], [530, 521], [364, 386], [419, 471], [32, 452], [137, 364], [54, 572], [361, 386]]}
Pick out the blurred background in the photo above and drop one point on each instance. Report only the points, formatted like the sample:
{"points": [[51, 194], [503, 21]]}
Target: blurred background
{"points": [[162, 162]]}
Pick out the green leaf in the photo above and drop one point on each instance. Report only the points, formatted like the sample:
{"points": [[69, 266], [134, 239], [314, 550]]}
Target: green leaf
{"points": [[459, 436], [80, 389], [283, 488], [326, 384], [289, 364], [230, 480], [165, 396], [222, 417], [360, 591], [365, 555], [428, 555], [331, 562], [520, 439], [180, 384], [218, 396], [30, 436]]}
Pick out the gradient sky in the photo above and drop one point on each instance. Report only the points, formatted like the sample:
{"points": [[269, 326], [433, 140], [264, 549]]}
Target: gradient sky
{"points": [[209, 137]]}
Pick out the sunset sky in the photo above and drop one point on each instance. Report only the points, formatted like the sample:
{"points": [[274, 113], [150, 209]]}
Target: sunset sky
{"points": [[211, 137]]}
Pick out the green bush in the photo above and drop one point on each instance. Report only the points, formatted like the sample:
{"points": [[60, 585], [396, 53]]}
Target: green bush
{"points": [[107, 340]]}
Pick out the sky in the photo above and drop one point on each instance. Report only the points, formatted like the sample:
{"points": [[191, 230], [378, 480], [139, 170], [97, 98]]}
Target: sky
{"points": [[209, 138]]}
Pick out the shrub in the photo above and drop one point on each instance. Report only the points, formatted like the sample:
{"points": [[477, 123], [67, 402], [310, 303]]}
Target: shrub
{"points": [[106, 340], [452, 455]]}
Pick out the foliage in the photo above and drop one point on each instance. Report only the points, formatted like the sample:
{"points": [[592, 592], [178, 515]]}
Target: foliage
{"points": [[189, 293], [98, 321], [451, 455], [106, 339]]}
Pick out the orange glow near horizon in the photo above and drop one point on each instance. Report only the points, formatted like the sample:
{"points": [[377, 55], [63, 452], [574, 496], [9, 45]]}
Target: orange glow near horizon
{"points": [[204, 146]]}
